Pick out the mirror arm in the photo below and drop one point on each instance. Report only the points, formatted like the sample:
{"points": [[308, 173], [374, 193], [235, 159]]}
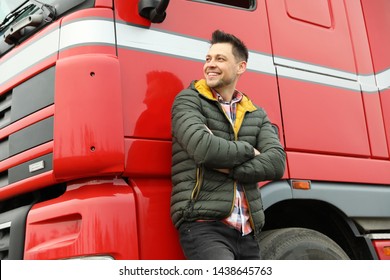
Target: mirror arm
{"points": [[153, 10]]}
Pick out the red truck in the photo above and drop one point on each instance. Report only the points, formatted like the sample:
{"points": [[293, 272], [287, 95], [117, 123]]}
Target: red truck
{"points": [[86, 88]]}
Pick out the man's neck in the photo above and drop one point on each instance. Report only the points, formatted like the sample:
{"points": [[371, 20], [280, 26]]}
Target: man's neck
{"points": [[226, 94]]}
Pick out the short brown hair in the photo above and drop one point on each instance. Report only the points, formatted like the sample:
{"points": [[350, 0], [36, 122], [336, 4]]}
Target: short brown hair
{"points": [[240, 51]]}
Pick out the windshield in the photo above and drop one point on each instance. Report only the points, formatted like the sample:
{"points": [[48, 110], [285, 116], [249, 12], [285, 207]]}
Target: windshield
{"points": [[7, 6]]}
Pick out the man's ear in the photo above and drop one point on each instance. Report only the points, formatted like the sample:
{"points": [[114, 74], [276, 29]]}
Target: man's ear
{"points": [[241, 67]]}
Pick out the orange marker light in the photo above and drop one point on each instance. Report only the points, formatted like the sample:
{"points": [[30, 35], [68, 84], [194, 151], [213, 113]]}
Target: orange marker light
{"points": [[386, 250], [301, 185]]}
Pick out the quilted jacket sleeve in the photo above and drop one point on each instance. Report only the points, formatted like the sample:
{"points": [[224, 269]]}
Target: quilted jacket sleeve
{"points": [[189, 129], [270, 164]]}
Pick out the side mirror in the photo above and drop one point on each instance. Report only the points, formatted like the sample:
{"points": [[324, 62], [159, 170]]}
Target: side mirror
{"points": [[153, 10]]}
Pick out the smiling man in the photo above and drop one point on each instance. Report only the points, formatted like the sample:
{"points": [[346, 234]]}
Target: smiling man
{"points": [[222, 145]]}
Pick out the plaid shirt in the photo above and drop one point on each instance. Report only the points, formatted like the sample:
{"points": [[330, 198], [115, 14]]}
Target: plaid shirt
{"points": [[239, 218]]}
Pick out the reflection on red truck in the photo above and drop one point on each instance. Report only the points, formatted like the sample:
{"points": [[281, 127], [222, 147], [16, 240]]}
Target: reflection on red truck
{"points": [[85, 94]]}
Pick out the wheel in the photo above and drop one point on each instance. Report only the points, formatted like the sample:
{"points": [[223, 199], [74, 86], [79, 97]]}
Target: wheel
{"points": [[299, 244]]}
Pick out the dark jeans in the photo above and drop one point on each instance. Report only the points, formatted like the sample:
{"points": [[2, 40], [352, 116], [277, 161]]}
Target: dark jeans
{"points": [[216, 241]]}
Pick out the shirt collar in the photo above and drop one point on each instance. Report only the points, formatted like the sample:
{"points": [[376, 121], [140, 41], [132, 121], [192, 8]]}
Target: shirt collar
{"points": [[237, 96]]}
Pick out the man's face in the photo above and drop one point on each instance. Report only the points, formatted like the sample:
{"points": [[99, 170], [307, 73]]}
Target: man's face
{"points": [[221, 69]]}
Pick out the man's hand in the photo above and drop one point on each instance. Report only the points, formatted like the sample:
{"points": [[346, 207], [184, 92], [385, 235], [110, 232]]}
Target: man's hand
{"points": [[223, 170]]}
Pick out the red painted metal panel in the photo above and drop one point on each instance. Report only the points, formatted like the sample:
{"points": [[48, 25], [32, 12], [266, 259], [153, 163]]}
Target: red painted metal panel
{"points": [[313, 12], [359, 37], [91, 218], [104, 3], [158, 238], [338, 168], [88, 140], [323, 119], [385, 102], [150, 83], [378, 24], [147, 158], [128, 11], [375, 125], [301, 40]]}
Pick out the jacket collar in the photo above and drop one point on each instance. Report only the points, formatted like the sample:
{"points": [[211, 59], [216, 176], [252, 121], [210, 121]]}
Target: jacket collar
{"points": [[203, 89]]}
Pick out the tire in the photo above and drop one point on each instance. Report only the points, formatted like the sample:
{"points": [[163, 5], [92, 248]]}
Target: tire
{"points": [[299, 244]]}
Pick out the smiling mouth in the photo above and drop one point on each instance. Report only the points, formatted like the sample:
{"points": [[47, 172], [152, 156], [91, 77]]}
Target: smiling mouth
{"points": [[212, 74]]}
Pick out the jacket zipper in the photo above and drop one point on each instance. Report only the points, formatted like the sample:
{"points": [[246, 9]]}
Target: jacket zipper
{"points": [[249, 210], [234, 198], [198, 184]]}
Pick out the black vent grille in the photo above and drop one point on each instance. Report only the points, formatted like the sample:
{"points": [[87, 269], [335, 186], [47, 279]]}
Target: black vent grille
{"points": [[4, 179], [12, 231], [5, 109], [27, 98], [5, 230]]}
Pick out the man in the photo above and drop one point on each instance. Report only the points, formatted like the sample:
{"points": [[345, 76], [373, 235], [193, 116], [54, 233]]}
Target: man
{"points": [[222, 146]]}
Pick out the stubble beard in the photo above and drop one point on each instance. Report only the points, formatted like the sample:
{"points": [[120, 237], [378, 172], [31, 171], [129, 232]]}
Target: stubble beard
{"points": [[218, 84]]}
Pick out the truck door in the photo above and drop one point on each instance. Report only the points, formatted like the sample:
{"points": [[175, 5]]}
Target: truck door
{"points": [[320, 62]]}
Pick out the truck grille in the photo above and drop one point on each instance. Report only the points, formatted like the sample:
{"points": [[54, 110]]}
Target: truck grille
{"points": [[16, 104], [25, 99]]}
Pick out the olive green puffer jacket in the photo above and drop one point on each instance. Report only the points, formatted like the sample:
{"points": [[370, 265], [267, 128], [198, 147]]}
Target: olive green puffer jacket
{"points": [[204, 140]]}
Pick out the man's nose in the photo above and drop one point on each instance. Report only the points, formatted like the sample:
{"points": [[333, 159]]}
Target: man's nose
{"points": [[211, 63]]}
